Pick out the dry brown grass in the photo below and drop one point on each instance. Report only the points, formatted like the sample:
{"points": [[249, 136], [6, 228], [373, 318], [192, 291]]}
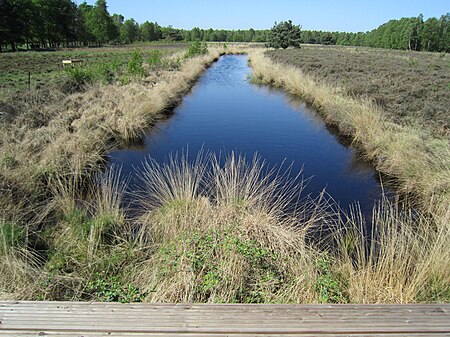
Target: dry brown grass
{"points": [[214, 240], [77, 129], [18, 277], [205, 236], [221, 233], [404, 259]]}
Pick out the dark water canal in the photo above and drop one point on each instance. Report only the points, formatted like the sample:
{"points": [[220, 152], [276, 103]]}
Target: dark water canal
{"points": [[225, 112]]}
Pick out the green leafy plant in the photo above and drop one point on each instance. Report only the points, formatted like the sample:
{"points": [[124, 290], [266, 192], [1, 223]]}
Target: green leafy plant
{"points": [[328, 284], [197, 48], [206, 253], [106, 288], [79, 76], [134, 66], [154, 59]]}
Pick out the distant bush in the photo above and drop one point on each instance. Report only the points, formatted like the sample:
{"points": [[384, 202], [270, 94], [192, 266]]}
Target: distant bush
{"points": [[134, 66], [197, 48], [154, 59], [80, 75], [78, 79], [105, 72]]}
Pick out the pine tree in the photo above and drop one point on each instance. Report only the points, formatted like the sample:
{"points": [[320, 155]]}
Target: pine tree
{"points": [[285, 34]]}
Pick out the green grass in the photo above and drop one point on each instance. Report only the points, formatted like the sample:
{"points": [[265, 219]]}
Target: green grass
{"points": [[46, 67]]}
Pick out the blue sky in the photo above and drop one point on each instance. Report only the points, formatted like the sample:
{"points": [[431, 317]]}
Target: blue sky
{"points": [[329, 15]]}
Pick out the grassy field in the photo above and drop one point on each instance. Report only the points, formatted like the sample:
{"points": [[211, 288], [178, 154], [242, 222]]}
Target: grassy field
{"points": [[412, 88], [45, 67], [207, 231]]}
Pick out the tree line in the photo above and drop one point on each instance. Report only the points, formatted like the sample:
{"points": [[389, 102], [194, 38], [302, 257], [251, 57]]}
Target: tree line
{"points": [[413, 34], [63, 23]]}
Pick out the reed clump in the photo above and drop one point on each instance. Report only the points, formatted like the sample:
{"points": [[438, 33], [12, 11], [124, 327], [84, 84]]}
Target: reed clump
{"points": [[219, 232], [217, 241]]}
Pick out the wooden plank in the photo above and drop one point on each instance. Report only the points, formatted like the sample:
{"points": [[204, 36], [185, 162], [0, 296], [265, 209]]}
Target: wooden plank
{"points": [[380, 311], [108, 334], [116, 319], [314, 309]]}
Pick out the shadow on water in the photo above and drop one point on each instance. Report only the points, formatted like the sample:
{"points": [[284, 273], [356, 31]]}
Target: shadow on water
{"points": [[225, 112]]}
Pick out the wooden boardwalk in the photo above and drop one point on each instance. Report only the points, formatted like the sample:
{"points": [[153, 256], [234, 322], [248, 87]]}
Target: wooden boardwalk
{"points": [[215, 320]]}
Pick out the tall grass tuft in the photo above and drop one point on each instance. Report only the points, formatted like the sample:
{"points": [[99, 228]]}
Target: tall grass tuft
{"points": [[225, 234], [402, 259], [18, 265], [220, 230]]}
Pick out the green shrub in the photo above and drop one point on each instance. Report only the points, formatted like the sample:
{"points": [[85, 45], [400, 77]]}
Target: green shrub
{"points": [[106, 288], [104, 73], [197, 48], [80, 75], [134, 66], [328, 284], [154, 59]]}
